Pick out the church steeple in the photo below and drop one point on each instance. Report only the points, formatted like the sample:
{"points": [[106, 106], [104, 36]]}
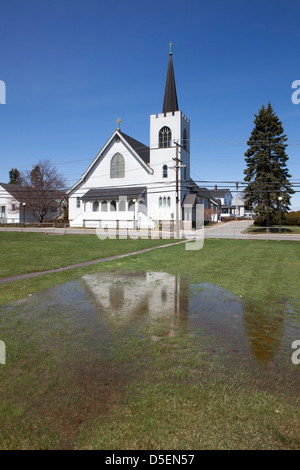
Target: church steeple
{"points": [[170, 99]]}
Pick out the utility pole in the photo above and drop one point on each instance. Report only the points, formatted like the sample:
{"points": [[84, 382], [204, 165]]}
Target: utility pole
{"points": [[236, 200], [177, 167]]}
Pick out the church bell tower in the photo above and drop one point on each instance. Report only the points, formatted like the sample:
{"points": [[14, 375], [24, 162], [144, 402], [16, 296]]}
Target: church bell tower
{"points": [[169, 127]]}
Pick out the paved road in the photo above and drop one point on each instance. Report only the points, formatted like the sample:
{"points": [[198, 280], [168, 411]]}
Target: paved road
{"points": [[234, 230]]}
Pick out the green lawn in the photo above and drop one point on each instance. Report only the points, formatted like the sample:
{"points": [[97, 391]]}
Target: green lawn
{"points": [[30, 252], [292, 229], [71, 382]]}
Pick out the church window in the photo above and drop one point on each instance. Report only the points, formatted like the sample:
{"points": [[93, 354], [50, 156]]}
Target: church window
{"points": [[165, 171], [117, 166], [165, 137], [113, 206], [95, 206], [169, 201], [160, 201], [164, 202], [131, 205]]}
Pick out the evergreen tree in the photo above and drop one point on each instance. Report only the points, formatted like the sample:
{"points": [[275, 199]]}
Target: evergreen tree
{"points": [[15, 176], [266, 175]]}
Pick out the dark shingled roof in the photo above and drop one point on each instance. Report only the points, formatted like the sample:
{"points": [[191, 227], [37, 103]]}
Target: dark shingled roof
{"points": [[25, 193], [219, 193], [189, 199], [114, 193], [203, 192], [142, 150], [170, 99]]}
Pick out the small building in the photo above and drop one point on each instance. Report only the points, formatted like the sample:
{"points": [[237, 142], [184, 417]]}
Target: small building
{"points": [[240, 209], [10, 211], [225, 198], [17, 204]]}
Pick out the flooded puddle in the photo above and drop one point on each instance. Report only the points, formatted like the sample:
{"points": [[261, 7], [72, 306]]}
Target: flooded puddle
{"points": [[83, 332], [231, 327]]}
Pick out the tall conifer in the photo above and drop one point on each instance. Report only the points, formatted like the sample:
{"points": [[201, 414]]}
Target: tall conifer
{"points": [[266, 175]]}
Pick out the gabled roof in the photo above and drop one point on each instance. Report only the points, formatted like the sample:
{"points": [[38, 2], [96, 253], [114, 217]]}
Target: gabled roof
{"points": [[189, 199], [24, 193], [203, 192], [15, 190], [219, 193], [141, 151], [214, 194]]}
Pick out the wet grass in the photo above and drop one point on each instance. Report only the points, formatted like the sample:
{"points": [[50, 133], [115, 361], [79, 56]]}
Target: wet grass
{"points": [[261, 271], [73, 382]]}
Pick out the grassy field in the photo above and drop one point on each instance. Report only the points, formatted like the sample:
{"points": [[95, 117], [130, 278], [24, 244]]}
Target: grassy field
{"points": [[71, 382], [292, 229], [30, 252]]}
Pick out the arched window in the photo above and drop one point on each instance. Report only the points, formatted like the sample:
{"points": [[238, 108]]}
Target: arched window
{"points": [[160, 201], [165, 137], [95, 206], [165, 171], [113, 206], [104, 206], [131, 205], [117, 166], [169, 201], [164, 201]]}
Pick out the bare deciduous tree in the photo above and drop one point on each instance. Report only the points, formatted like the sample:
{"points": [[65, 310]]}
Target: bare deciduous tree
{"points": [[43, 189]]}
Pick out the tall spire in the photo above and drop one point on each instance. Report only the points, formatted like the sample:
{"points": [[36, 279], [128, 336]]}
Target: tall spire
{"points": [[170, 99]]}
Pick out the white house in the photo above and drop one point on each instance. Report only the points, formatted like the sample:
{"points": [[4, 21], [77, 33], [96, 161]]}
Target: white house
{"points": [[225, 198], [10, 212], [129, 184], [18, 203], [241, 210]]}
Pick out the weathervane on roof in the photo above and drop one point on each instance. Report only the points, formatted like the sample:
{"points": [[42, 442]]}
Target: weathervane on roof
{"points": [[118, 121], [170, 46]]}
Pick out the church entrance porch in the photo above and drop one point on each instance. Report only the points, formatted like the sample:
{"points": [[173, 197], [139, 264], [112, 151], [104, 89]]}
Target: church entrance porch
{"points": [[114, 207]]}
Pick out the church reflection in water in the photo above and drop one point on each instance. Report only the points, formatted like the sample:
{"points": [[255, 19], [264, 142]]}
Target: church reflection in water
{"points": [[125, 297], [209, 312]]}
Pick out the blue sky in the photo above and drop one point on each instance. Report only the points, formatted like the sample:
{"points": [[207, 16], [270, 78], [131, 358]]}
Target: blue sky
{"points": [[71, 68]]}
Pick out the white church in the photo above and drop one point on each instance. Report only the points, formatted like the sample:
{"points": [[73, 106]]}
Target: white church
{"points": [[131, 185]]}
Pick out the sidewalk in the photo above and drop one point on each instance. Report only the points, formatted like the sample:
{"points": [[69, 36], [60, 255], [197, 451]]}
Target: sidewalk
{"points": [[229, 230]]}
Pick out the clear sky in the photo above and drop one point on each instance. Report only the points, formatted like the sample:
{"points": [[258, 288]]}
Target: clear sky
{"points": [[72, 67]]}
